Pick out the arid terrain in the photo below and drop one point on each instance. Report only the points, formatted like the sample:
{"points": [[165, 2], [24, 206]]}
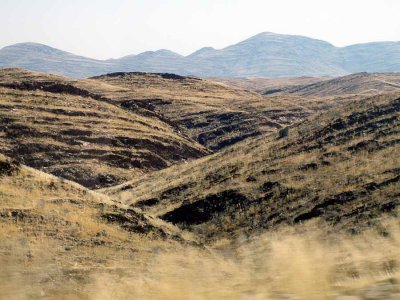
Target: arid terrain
{"points": [[160, 186]]}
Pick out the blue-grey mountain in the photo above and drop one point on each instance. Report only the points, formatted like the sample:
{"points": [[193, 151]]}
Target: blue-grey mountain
{"points": [[264, 55]]}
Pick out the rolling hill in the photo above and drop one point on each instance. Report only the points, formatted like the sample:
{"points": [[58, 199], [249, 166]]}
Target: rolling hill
{"points": [[264, 55], [57, 238], [50, 123], [361, 84], [213, 114], [108, 129], [105, 130], [340, 166], [230, 194], [260, 84]]}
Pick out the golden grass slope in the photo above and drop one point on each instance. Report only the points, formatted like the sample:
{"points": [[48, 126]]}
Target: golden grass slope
{"points": [[33, 202], [341, 166], [55, 245], [59, 240], [56, 236]]}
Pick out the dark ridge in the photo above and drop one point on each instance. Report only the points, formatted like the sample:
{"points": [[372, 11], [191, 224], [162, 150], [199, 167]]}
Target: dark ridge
{"points": [[272, 91], [163, 75], [53, 87]]}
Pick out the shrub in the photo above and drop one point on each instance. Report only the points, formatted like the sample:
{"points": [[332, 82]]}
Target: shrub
{"points": [[284, 132]]}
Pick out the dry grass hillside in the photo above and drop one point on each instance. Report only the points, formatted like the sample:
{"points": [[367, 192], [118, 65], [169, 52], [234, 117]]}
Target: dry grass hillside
{"points": [[211, 113], [259, 84], [304, 205], [55, 233], [103, 131], [218, 115], [341, 166], [359, 84], [49, 123], [59, 240]]}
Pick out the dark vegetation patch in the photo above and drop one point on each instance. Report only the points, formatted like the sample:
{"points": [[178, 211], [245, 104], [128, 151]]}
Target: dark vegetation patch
{"points": [[331, 205], [147, 203], [271, 91], [132, 221], [163, 75], [176, 190], [233, 140], [223, 174], [308, 166], [9, 167], [205, 209]]}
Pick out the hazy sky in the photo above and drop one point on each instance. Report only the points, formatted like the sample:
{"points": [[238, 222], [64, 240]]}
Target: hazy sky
{"points": [[114, 28]]}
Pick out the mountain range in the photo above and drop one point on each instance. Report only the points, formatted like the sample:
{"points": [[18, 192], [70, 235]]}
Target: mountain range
{"points": [[264, 55]]}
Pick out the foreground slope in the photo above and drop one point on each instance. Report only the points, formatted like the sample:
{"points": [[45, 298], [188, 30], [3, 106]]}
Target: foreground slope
{"points": [[57, 237], [50, 123], [35, 203], [59, 240], [341, 166]]}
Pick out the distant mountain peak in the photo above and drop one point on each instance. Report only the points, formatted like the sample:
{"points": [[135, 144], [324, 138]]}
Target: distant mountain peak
{"points": [[160, 52], [264, 33], [202, 51], [167, 52], [29, 44], [31, 47]]}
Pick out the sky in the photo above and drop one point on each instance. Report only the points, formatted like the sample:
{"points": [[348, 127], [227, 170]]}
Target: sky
{"points": [[114, 28]]}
